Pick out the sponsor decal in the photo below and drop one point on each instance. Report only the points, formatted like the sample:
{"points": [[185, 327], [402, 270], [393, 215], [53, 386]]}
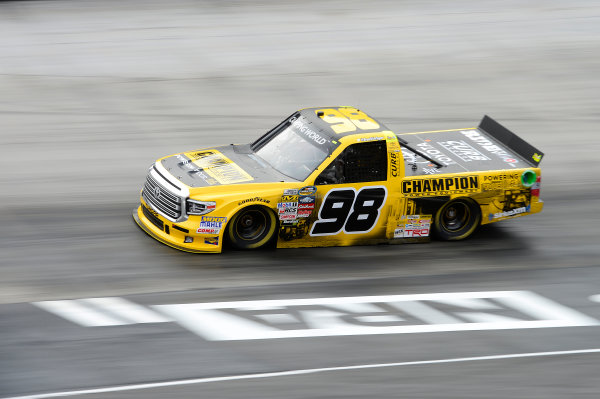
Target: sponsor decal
{"points": [[392, 142], [306, 199], [366, 139], [441, 186], [286, 205], [430, 171], [413, 226], [435, 154], [214, 219], [490, 147], [463, 150], [394, 160], [304, 213], [211, 224], [308, 132], [288, 210], [288, 214], [191, 168], [512, 212], [208, 230], [535, 189], [213, 164], [399, 231], [255, 199], [500, 181], [289, 198], [211, 240], [183, 161], [306, 204], [297, 203], [536, 157]]}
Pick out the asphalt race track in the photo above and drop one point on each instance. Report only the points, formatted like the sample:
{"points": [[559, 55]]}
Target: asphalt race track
{"points": [[93, 92]]}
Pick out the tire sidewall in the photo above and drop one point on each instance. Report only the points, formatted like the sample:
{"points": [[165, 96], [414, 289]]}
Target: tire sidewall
{"points": [[239, 243], [470, 226]]}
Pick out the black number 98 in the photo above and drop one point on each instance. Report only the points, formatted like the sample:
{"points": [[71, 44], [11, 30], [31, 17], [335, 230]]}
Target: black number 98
{"points": [[346, 209]]}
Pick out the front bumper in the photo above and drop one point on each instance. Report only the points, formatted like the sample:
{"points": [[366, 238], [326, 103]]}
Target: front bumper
{"points": [[171, 236]]}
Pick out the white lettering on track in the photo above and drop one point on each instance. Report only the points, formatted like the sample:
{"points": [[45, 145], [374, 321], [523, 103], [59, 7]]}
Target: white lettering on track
{"points": [[395, 314]]}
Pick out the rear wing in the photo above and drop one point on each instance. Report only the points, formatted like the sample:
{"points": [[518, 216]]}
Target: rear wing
{"points": [[528, 152]]}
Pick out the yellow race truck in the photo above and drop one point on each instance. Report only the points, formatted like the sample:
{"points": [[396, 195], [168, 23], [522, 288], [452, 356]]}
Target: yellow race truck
{"points": [[335, 176]]}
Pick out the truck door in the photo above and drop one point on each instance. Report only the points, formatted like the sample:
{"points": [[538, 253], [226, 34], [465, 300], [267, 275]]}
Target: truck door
{"points": [[352, 195]]}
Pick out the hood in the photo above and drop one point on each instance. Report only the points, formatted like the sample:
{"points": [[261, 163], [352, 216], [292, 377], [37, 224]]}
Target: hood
{"points": [[230, 164]]}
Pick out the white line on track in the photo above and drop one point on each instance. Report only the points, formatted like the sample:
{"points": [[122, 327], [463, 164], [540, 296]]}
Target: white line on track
{"points": [[298, 372]]}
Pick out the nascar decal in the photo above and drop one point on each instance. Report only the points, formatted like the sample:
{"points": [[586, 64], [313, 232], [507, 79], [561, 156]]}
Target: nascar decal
{"points": [[413, 226], [218, 166], [440, 186], [350, 211], [211, 224], [490, 147]]}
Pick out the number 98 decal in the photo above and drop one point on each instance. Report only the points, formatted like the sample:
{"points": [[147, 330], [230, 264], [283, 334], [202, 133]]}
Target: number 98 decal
{"points": [[348, 210]]}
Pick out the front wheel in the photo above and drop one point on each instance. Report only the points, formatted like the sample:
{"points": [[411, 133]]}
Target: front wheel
{"points": [[457, 219], [251, 227]]}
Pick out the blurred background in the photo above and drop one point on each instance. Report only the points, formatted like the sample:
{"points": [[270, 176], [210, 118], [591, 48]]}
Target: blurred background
{"points": [[92, 92]]}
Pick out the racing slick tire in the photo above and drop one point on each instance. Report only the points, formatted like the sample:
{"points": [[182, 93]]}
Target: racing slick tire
{"points": [[251, 228], [457, 219]]}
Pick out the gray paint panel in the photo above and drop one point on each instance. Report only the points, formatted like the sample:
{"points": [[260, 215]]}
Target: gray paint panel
{"points": [[467, 150], [190, 174]]}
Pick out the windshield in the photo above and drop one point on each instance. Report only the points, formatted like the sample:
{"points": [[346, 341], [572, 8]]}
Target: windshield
{"points": [[292, 152]]}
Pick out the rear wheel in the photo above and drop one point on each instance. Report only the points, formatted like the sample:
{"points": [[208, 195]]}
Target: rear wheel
{"points": [[457, 219], [251, 228]]}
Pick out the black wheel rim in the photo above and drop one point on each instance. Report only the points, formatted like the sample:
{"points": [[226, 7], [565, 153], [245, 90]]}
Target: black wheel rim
{"points": [[456, 216], [251, 225]]}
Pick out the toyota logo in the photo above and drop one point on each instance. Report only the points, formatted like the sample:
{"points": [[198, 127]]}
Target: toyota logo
{"points": [[157, 192]]}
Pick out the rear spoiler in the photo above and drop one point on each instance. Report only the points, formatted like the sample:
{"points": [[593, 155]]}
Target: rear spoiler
{"points": [[531, 154]]}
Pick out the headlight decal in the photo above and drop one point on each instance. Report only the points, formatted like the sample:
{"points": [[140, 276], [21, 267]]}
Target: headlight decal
{"points": [[194, 207]]}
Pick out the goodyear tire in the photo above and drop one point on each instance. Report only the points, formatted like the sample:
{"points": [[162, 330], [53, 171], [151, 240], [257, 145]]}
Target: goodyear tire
{"points": [[251, 228], [457, 219]]}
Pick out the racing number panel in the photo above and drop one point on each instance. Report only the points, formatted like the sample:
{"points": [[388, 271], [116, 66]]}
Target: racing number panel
{"points": [[349, 210]]}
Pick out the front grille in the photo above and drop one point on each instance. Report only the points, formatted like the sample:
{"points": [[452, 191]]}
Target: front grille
{"points": [[155, 221], [161, 199]]}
